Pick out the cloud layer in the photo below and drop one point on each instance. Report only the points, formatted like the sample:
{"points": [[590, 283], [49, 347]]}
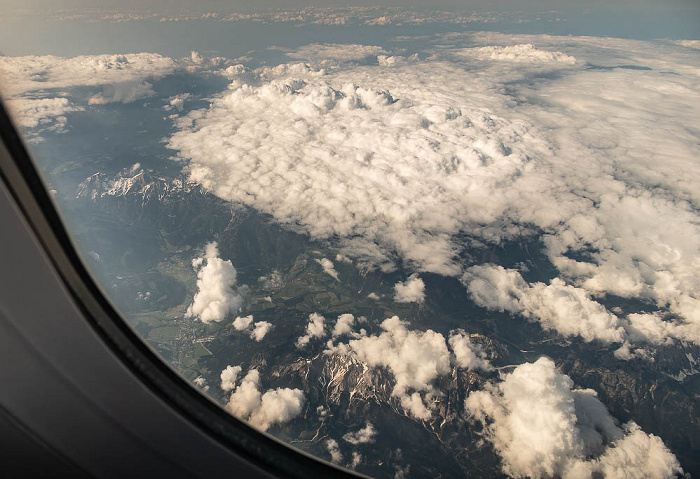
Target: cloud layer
{"points": [[541, 426], [553, 138], [30, 83]]}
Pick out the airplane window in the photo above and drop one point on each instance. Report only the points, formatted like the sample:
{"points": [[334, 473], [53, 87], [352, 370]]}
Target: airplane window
{"points": [[413, 242]]}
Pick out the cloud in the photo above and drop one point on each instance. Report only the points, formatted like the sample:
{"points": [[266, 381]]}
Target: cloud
{"points": [[242, 323], [468, 355], [201, 383], [45, 112], [334, 450], [178, 101], [517, 53], [39, 89], [356, 460], [567, 309], [415, 359], [217, 294], [328, 267], [494, 150], [541, 426], [260, 330], [343, 325], [335, 52], [410, 291], [229, 377], [363, 436], [556, 306], [124, 92], [40, 73], [275, 406], [314, 329], [257, 331]]}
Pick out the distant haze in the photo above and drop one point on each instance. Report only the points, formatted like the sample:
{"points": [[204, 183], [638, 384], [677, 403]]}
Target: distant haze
{"points": [[223, 5]]}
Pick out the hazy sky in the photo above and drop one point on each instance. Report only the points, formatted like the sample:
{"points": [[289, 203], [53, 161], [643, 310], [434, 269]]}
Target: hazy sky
{"points": [[224, 5]]}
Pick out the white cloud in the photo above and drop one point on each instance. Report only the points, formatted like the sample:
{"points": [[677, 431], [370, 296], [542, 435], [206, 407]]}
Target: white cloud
{"points": [[45, 112], [567, 309], [356, 460], [314, 329], [415, 359], [541, 426], [229, 377], [689, 43], [328, 267], [343, 325], [217, 295], [29, 83], [40, 73], [334, 450], [342, 259], [335, 52], [243, 322], [517, 53], [257, 330], [467, 354], [260, 330], [363, 436], [499, 149], [410, 291], [275, 406], [563, 308], [201, 383], [178, 101], [123, 92]]}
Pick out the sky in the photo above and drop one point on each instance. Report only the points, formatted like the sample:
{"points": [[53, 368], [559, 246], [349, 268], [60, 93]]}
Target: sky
{"points": [[10, 5]]}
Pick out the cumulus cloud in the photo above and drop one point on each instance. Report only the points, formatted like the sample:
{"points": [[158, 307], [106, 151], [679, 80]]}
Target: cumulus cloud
{"points": [[334, 450], [517, 53], [415, 359], [242, 323], [177, 101], [363, 436], [328, 267], [229, 377], [541, 426], [201, 383], [410, 291], [257, 330], [217, 294], [467, 354], [34, 73], [557, 306], [567, 309], [275, 406], [45, 112], [343, 325], [314, 329], [260, 330], [494, 149], [30, 83], [335, 52], [356, 460]]}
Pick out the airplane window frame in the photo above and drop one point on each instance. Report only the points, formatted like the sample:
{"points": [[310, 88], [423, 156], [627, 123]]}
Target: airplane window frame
{"points": [[23, 181]]}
